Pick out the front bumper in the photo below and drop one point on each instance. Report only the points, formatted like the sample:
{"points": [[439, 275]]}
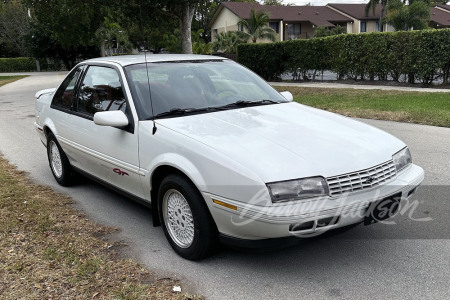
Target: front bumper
{"points": [[255, 222]]}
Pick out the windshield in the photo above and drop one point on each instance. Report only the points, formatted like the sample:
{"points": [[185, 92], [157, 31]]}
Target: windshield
{"points": [[177, 88]]}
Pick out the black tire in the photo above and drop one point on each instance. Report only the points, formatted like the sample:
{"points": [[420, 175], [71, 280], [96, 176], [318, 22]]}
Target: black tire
{"points": [[190, 243], [61, 168]]}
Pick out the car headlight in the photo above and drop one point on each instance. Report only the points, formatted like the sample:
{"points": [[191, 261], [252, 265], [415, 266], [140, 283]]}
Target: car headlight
{"points": [[402, 158], [297, 189]]}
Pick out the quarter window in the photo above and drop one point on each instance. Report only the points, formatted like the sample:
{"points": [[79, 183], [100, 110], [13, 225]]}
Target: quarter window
{"points": [[64, 95], [101, 90]]}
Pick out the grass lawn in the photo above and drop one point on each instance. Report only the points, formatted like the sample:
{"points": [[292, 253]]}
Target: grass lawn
{"points": [[412, 107], [50, 251], [8, 79]]}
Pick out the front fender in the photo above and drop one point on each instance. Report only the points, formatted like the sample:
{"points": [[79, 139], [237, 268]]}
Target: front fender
{"points": [[178, 162], [212, 177]]}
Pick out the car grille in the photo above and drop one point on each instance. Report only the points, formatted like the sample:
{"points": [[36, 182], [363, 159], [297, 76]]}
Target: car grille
{"points": [[361, 180]]}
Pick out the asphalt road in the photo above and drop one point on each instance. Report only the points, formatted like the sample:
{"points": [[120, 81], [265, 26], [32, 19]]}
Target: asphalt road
{"points": [[409, 260]]}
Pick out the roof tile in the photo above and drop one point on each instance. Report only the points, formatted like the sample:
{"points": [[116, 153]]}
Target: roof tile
{"points": [[358, 11], [444, 6], [440, 17]]}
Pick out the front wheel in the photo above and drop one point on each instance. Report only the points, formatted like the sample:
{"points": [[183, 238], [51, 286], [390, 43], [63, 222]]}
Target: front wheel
{"points": [[186, 220], [59, 163]]}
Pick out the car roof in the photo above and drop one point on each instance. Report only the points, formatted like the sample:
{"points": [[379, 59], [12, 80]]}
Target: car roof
{"points": [[126, 60]]}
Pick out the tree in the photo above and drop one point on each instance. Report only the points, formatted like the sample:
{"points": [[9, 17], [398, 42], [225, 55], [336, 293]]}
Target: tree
{"points": [[14, 25], [199, 46], [65, 29], [372, 5], [257, 26], [227, 42], [148, 26], [323, 31], [182, 10], [40, 44], [111, 34], [204, 12], [72, 23], [273, 2], [419, 15], [404, 17]]}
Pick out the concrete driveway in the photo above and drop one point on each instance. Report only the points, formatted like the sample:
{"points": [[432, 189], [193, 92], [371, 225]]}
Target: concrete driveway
{"points": [[409, 260]]}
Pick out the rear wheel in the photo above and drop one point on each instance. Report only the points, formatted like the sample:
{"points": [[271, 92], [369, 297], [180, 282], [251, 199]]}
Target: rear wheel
{"points": [[59, 163], [186, 220]]}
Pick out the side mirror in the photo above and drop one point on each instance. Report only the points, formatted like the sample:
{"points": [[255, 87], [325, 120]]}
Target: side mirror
{"points": [[288, 96], [114, 118]]}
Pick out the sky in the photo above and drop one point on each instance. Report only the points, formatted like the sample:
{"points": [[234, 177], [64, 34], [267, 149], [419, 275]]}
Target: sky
{"points": [[321, 2]]}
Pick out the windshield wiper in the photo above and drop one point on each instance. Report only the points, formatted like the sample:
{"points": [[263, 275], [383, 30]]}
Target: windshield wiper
{"points": [[181, 112], [246, 103], [240, 103]]}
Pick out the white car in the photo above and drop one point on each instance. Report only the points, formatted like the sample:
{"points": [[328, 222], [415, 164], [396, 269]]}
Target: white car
{"points": [[217, 153]]}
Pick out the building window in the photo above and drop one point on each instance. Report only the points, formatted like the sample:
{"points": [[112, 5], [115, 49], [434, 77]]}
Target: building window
{"points": [[241, 27], [363, 26], [274, 26], [294, 30]]}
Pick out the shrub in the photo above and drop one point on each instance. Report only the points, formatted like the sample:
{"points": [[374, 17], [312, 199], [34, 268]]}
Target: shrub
{"points": [[20, 64], [267, 60], [309, 55], [418, 55], [28, 64]]}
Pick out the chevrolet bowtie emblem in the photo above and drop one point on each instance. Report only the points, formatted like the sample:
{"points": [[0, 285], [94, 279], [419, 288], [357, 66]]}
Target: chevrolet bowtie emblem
{"points": [[369, 180]]}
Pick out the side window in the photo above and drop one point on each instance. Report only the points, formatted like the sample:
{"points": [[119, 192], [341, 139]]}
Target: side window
{"points": [[100, 91], [64, 95]]}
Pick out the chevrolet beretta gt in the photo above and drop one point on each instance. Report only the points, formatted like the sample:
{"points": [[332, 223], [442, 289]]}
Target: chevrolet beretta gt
{"points": [[217, 153]]}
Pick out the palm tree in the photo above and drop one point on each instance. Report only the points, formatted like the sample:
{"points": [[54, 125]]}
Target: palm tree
{"points": [[257, 26], [227, 42], [372, 5], [109, 34]]}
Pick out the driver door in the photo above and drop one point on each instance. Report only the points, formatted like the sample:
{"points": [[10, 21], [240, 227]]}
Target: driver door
{"points": [[108, 153]]}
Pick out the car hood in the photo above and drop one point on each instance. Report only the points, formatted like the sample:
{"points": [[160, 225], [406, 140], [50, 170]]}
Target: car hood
{"points": [[289, 140]]}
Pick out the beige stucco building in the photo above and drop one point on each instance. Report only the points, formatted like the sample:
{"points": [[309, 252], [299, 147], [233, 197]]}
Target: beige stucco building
{"points": [[289, 22], [300, 22]]}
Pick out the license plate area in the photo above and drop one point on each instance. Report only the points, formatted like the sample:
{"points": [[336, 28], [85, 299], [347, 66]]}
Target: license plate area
{"points": [[382, 209]]}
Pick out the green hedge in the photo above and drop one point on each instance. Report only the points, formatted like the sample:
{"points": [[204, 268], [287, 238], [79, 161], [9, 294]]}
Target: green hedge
{"points": [[28, 64], [267, 60], [418, 55], [19, 64]]}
